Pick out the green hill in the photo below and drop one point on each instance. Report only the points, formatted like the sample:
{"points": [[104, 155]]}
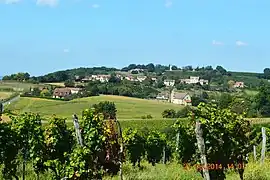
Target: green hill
{"points": [[127, 108]]}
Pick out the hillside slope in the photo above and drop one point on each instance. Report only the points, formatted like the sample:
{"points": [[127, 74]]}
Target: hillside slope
{"points": [[127, 108]]}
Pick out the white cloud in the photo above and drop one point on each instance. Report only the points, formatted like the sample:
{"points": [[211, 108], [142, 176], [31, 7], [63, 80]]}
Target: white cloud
{"points": [[10, 1], [95, 6], [66, 50], [217, 43], [240, 43], [51, 3], [168, 3]]}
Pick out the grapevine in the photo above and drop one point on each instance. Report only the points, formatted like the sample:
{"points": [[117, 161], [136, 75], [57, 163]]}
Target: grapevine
{"points": [[154, 146], [135, 145], [9, 150], [59, 142]]}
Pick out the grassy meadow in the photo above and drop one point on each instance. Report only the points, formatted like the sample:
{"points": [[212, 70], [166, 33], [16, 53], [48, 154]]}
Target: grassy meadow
{"points": [[127, 107], [169, 171], [18, 86], [4, 94]]}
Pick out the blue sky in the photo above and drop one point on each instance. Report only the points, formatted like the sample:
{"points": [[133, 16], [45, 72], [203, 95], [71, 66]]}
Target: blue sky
{"points": [[41, 36]]}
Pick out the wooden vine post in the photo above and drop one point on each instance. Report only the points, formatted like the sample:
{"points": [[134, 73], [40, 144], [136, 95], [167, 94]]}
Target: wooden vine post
{"points": [[201, 146], [177, 140], [254, 153], [1, 110], [121, 149], [263, 145], [77, 129]]}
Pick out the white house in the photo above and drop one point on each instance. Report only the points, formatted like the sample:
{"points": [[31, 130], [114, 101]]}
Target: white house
{"points": [[194, 80], [74, 90], [239, 85], [169, 82], [163, 96], [141, 78], [180, 98]]}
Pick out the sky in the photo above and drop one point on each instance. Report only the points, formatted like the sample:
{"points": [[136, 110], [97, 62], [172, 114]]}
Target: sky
{"points": [[42, 36]]}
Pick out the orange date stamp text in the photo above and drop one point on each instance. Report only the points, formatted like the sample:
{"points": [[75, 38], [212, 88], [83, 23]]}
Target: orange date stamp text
{"points": [[214, 166]]}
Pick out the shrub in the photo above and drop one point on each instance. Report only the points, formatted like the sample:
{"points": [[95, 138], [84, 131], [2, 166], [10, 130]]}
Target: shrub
{"points": [[183, 113], [169, 113], [149, 116]]}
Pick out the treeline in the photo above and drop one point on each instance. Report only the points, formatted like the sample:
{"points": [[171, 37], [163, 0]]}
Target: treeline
{"points": [[18, 77], [125, 88]]}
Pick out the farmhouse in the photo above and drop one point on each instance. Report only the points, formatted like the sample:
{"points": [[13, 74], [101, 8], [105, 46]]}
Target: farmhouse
{"points": [[169, 82], [61, 92], [239, 85], [194, 80], [180, 98]]}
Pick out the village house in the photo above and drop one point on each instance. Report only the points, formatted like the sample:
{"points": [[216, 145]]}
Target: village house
{"points": [[154, 79], [61, 92], [163, 96], [86, 79], [169, 82], [101, 78], [131, 78], [238, 85], [119, 76], [75, 90], [180, 98], [194, 80], [137, 69], [141, 78]]}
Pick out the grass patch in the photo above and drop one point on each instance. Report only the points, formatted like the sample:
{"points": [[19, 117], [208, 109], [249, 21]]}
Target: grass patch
{"points": [[62, 84], [127, 108], [5, 95], [18, 86], [170, 171]]}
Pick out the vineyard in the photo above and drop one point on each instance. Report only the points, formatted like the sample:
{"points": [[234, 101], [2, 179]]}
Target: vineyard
{"points": [[98, 148]]}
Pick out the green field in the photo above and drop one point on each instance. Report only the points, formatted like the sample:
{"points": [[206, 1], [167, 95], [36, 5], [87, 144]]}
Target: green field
{"points": [[4, 95], [18, 86], [127, 108]]}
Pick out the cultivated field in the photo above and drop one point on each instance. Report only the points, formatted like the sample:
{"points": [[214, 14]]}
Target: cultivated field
{"points": [[127, 108]]}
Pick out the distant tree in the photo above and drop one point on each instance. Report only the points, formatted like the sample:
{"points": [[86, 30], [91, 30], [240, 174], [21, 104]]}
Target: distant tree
{"points": [[35, 91], [195, 100], [114, 79], [266, 73], [45, 93], [205, 95], [160, 83], [134, 72], [221, 70], [132, 66], [188, 68], [209, 68], [107, 108], [262, 100], [183, 113], [174, 67], [93, 90], [150, 67], [225, 99], [169, 113], [231, 83], [69, 83]]}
